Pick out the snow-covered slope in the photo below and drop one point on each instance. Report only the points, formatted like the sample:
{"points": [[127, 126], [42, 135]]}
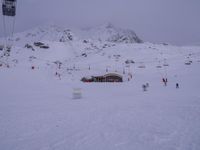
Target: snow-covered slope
{"points": [[37, 109]]}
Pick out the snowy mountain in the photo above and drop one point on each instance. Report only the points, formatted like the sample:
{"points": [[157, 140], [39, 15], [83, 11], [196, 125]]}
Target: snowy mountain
{"points": [[50, 33], [104, 33], [110, 33], [63, 43]]}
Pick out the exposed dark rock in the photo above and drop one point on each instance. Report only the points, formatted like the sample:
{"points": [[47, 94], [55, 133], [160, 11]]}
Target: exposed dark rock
{"points": [[129, 61], [29, 47]]}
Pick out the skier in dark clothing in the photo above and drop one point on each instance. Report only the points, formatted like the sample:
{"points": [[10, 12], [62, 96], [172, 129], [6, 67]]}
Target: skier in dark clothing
{"points": [[164, 81], [177, 85], [144, 87]]}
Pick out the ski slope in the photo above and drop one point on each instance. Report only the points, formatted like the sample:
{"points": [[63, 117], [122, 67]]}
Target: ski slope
{"points": [[38, 112]]}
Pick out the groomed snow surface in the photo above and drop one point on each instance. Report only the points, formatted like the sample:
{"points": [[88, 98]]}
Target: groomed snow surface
{"points": [[38, 112]]}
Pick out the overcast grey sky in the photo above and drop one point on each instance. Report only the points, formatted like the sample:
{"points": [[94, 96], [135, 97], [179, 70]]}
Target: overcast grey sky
{"points": [[173, 21]]}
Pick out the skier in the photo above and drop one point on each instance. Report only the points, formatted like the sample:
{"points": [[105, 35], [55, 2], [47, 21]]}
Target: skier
{"points": [[177, 85], [144, 87], [164, 81]]}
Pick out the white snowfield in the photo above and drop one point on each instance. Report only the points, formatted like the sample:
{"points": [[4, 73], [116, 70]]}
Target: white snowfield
{"points": [[38, 111]]}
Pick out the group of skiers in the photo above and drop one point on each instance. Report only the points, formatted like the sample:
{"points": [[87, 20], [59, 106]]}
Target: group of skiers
{"points": [[164, 80]]}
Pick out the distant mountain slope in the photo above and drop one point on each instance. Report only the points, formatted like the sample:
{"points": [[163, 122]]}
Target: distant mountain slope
{"points": [[110, 33], [51, 33], [54, 43], [103, 33]]}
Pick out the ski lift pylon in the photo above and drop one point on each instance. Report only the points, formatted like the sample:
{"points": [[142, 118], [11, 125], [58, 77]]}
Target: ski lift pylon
{"points": [[9, 7], [9, 13]]}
